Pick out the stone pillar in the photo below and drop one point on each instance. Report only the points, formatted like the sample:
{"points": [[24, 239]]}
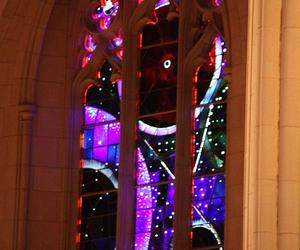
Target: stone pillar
{"points": [[289, 158], [262, 116], [126, 193], [184, 130]]}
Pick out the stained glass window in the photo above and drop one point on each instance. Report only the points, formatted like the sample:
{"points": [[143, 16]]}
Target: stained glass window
{"points": [[209, 151], [100, 163], [100, 143], [156, 132]]}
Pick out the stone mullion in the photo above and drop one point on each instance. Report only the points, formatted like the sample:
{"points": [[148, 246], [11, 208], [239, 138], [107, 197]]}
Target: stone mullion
{"points": [[184, 133], [126, 193]]}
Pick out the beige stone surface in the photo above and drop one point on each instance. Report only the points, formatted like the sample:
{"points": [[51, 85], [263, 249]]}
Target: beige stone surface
{"points": [[289, 160]]}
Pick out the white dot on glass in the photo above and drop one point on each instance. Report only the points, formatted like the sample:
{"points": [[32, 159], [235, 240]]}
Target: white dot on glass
{"points": [[167, 64]]}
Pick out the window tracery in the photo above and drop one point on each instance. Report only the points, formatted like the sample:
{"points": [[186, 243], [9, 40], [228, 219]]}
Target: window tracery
{"points": [[156, 134]]}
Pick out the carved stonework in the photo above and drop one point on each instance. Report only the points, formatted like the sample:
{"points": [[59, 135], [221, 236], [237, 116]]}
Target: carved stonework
{"points": [[104, 49], [205, 28]]}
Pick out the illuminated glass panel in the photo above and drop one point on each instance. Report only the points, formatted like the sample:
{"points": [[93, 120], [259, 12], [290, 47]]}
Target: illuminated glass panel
{"points": [[100, 163], [210, 139], [154, 216], [156, 132], [103, 12], [210, 151], [208, 211], [158, 80], [89, 47], [101, 15], [216, 3]]}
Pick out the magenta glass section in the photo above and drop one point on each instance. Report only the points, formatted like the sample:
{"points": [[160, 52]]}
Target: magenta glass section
{"points": [[96, 115], [154, 216], [216, 3], [104, 13]]}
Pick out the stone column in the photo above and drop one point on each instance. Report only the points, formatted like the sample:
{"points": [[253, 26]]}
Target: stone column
{"points": [[184, 131], [289, 158], [126, 193], [23, 177], [262, 115]]}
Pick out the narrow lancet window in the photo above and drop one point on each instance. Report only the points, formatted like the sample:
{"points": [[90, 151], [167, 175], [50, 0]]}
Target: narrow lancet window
{"points": [[210, 90], [156, 131], [100, 135], [100, 162]]}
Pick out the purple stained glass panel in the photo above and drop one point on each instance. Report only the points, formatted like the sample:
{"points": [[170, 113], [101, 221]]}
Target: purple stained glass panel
{"points": [[100, 163], [100, 135], [94, 115], [208, 197], [154, 216], [208, 210]]}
